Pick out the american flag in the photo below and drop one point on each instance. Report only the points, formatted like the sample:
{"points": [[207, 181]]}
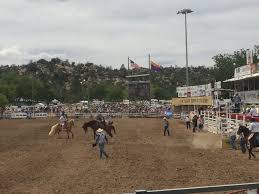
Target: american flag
{"points": [[134, 65]]}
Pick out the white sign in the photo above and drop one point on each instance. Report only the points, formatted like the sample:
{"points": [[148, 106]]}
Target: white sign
{"points": [[243, 70], [252, 97], [249, 57], [199, 90], [217, 85]]}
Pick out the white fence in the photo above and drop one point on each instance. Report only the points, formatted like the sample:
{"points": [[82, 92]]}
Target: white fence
{"points": [[220, 124], [23, 115]]}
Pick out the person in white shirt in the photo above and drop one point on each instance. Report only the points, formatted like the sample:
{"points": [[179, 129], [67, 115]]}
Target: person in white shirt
{"points": [[253, 111], [188, 122], [253, 128]]}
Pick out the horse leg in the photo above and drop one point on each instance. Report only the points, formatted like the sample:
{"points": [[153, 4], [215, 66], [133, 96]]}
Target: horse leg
{"points": [[114, 130], [67, 134], [110, 133], [250, 151], [252, 146]]}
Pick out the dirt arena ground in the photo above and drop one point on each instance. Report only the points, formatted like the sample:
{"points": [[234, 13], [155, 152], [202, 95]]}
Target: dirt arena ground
{"points": [[140, 158]]}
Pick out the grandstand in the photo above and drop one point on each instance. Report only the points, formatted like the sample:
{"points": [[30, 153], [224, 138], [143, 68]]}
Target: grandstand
{"points": [[139, 87]]}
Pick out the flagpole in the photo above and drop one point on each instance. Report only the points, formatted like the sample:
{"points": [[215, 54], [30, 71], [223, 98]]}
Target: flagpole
{"points": [[128, 63], [149, 61]]}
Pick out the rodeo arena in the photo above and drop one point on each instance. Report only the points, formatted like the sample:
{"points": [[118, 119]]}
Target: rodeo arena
{"points": [[199, 142]]}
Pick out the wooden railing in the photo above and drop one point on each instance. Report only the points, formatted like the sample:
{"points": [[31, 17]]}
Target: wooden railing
{"points": [[250, 188]]}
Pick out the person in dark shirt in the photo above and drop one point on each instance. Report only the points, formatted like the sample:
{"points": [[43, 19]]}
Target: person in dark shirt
{"points": [[194, 123]]}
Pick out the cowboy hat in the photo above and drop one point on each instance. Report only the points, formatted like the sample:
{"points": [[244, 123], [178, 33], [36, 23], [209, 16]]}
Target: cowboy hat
{"points": [[99, 130], [164, 118]]}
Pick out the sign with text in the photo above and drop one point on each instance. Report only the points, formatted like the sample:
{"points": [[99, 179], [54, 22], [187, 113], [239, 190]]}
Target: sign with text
{"points": [[199, 90], [202, 100], [242, 71], [255, 68], [251, 97]]}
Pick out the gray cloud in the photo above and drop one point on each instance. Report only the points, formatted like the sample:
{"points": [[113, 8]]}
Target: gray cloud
{"points": [[107, 32]]}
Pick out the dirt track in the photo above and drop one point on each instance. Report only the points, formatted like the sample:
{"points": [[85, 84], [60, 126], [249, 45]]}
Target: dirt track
{"points": [[141, 158]]}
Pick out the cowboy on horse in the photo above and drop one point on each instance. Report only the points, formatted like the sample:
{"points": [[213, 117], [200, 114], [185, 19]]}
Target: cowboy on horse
{"points": [[63, 121], [100, 118], [254, 129], [109, 120]]}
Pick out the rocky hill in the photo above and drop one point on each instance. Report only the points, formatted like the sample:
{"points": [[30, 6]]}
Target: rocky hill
{"points": [[69, 82]]}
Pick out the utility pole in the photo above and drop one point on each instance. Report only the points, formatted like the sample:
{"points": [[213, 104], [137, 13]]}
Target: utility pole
{"points": [[185, 12]]}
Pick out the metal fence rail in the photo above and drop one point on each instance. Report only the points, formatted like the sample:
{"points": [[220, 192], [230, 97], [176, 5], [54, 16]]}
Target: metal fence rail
{"points": [[217, 188]]}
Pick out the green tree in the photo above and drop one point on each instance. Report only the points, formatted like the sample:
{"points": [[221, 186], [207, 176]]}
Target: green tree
{"points": [[224, 66], [116, 93], [3, 102]]}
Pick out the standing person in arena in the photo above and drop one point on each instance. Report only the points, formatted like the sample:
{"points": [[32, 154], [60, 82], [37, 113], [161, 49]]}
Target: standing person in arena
{"points": [[166, 126], [101, 140], [200, 122], [237, 103], [188, 122], [194, 123]]}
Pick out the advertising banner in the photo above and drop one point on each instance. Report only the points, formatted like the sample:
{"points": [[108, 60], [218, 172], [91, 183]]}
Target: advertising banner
{"points": [[251, 97], [242, 71], [217, 85], [203, 100], [199, 90], [249, 57], [255, 68]]}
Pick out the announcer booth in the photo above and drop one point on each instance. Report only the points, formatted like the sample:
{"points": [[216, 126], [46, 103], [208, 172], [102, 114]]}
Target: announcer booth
{"points": [[139, 87], [246, 83], [193, 98]]}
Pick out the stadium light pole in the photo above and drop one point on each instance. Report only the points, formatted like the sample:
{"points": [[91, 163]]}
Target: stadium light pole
{"points": [[185, 12]]}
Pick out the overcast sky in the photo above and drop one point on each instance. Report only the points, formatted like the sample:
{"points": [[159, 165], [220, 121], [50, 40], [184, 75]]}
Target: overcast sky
{"points": [[108, 31]]}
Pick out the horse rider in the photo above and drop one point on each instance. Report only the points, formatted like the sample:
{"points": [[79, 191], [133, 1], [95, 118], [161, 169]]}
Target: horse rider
{"points": [[253, 128], [63, 120], [109, 120], [166, 126], [101, 140], [101, 119]]}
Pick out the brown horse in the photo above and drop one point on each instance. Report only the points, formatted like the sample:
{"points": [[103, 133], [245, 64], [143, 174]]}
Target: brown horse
{"points": [[94, 124], [253, 141], [56, 129]]}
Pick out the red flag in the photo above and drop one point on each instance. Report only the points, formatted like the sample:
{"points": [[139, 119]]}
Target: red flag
{"points": [[155, 66]]}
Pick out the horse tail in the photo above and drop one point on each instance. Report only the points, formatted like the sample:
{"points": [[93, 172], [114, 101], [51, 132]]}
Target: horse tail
{"points": [[53, 129]]}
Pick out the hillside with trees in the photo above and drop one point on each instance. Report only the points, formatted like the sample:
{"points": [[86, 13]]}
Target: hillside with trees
{"points": [[66, 81]]}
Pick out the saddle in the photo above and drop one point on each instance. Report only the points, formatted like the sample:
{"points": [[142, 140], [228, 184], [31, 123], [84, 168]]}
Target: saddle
{"points": [[63, 127]]}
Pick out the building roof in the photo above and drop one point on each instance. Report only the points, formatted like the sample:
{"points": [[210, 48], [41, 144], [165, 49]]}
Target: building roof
{"points": [[139, 75], [242, 77]]}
